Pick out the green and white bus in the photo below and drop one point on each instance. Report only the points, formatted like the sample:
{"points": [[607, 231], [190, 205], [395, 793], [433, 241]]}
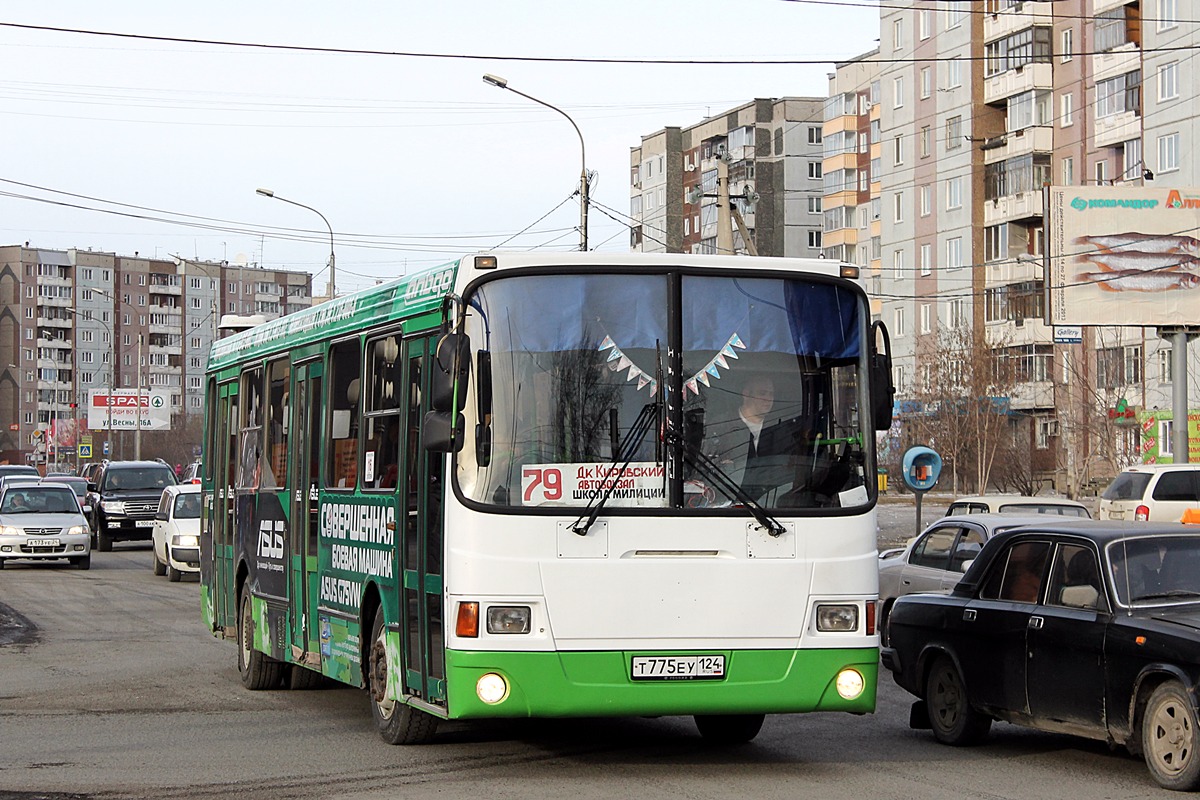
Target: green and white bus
{"points": [[545, 486]]}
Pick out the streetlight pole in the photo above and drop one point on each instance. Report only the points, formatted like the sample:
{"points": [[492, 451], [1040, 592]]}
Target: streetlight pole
{"points": [[332, 266], [497, 81]]}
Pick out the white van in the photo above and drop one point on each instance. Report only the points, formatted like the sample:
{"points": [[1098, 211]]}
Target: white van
{"points": [[1153, 492]]}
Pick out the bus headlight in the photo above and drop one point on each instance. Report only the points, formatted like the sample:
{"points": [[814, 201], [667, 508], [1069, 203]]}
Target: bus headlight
{"points": [[491, 688], [508, 619], [850, 684], [837, 618]]}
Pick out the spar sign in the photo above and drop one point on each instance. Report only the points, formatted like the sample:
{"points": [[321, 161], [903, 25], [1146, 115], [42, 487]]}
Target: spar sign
{"points": [[155, 411]]}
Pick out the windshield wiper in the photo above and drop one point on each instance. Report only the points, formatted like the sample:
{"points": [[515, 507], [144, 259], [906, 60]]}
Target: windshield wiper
{"points": [[707, 467], [633, 440]]}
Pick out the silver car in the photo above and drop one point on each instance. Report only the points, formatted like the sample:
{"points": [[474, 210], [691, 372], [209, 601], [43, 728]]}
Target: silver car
{"points": [[936, 560], [43, 520]]}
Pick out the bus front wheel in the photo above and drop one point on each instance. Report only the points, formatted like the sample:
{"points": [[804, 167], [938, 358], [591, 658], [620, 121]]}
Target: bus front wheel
{"points": [[398, 723], [729, 728], [258, 670]]}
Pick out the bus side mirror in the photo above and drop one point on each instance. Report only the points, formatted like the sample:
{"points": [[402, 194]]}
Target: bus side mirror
{"points": [[451, 365], [883, 391], [442, 432]]}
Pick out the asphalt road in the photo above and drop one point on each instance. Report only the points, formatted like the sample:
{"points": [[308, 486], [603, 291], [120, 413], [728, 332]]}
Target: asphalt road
{"points": [[117, 691]]}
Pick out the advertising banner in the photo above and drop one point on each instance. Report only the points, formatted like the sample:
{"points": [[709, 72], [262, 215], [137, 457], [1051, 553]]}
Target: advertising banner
{"points": [[1156, 436], [155, 413], [1124, 256]]}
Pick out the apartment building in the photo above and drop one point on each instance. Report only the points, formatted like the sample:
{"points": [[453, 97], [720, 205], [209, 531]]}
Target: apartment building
{"points": [[73, 320], [770, 152]]}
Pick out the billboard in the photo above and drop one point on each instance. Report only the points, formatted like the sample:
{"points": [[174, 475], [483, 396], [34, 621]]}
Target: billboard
{"points": [[1124, 256], [1156, 436], [155, 410]]}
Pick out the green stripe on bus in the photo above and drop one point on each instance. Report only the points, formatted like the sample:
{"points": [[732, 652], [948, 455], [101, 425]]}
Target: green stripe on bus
{"points": [[577, 684]]}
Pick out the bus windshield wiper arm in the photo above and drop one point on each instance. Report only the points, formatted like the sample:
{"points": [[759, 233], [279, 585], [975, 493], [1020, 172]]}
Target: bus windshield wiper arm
{"points": [[707, 467], [633, 439]]}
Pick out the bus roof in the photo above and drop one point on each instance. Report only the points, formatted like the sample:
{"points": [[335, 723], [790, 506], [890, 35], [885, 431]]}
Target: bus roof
{"points": [[422, 292]]}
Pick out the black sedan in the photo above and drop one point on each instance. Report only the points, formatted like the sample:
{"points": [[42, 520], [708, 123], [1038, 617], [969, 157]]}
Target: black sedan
{"points": [[1091, 629]]}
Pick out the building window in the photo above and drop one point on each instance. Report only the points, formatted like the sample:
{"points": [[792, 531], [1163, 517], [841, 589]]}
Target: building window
{"points": [[1067, 114], [1166, 437], [954, 252], [1165, 367], [898, 149], [954, 193], [898, 91], [926, 259], [1068, 171], [926, 82], [898, 322], [898, 33], [953, 73], [1133, 163], [1119, 94], [995, 242], [814, 170], [1168, 81], [1101, 172], [923, 23], [1030, 46], [926, 194], [954, 133], [898, 265], [814, 239], [925, 141], [1113, 28], [814, 205], [926, 317], [957, 317], [1068, 44], [1168, 14], [1168, 152], [898, 207]]}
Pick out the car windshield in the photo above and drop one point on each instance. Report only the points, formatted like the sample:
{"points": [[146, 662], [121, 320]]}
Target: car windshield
{"points": [[39, 500], [1127, 486], [78, 485], [1044, 508], [187, 506], [138, 479], [1156, 569]]}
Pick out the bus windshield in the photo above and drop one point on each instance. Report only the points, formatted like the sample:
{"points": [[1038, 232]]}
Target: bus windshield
{"points": [[763, 395]]}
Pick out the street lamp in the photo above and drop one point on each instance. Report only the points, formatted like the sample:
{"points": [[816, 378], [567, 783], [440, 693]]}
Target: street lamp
{"points": [[332, 274], [497, 81]]}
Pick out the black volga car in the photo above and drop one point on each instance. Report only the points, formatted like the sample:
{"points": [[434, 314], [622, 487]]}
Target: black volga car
{"points": [[1090, 629]]}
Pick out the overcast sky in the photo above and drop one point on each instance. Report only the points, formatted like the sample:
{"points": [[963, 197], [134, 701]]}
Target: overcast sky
{"points": [[413, 160]]}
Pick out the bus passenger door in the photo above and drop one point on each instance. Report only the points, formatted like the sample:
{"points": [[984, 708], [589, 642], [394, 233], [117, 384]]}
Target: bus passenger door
{"points": [[224, 470], [306, 433], [421, 550]]}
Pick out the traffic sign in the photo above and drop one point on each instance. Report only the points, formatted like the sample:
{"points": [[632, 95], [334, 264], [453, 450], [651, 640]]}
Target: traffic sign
{"points": [[85, 450], [106, 447]]}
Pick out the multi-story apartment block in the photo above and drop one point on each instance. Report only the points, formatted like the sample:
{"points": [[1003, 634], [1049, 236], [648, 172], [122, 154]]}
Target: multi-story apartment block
{"points": [[770, 150], [72, 321]]}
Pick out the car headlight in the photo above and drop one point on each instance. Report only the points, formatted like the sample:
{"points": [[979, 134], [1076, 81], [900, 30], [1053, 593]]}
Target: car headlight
{"points": [[78, 530], [113, 506], [185, 541], [9, 530], [508, 619], [837, 618]]}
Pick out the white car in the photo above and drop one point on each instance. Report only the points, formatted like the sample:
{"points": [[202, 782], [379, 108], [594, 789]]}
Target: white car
{"points": [[176, 534], [1017, 504], [43, 520], [1152, 493]]}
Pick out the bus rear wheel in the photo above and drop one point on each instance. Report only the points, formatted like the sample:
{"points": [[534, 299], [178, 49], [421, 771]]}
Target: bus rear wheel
{"points": [[258, 670], [398, 723], [729, 728]]}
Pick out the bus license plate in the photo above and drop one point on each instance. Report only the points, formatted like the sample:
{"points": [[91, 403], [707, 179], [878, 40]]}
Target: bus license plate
{"points": [[41, 543], [649, 668]]}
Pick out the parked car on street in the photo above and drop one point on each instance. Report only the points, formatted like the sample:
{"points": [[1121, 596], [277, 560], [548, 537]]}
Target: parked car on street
{"points": [[176, 533], [1089, 629], [1017, 504], [191, 473], [41, 521], [936, 560], [1153, 493], [124, 497]]}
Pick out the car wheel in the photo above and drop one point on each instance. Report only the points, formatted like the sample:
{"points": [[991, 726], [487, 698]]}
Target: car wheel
{"points": [[159, 567], [258, 670], [82, 562], [1169, 738], [103, 543], [1, 563], [398, 723], [729, 728], [173, 575], [953, 720]]}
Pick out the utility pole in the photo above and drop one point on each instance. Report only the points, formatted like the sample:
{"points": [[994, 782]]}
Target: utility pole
{"points": [[137, 434], [724, 225]]}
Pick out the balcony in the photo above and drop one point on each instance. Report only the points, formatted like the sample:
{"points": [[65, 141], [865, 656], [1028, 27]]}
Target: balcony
{"points": [[166, 289], [1117, 61], [1017, 18], [1035, 139], [1035, 394], [54, 344], [53, 302], [54, 322], [1022, 205], [1117, 128], [1014, 81]]}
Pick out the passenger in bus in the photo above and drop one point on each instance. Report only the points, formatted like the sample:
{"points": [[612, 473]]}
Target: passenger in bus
{"points": [[747, 447]]}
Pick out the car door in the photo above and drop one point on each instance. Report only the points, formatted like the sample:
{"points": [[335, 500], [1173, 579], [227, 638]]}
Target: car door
{"points": [[970, 541], [1065, 665], [992, 631], [929, 560]]}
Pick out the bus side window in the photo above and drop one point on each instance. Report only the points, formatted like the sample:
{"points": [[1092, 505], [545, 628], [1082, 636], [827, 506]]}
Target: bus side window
{"points": [[251, 429], [345, 394]]}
